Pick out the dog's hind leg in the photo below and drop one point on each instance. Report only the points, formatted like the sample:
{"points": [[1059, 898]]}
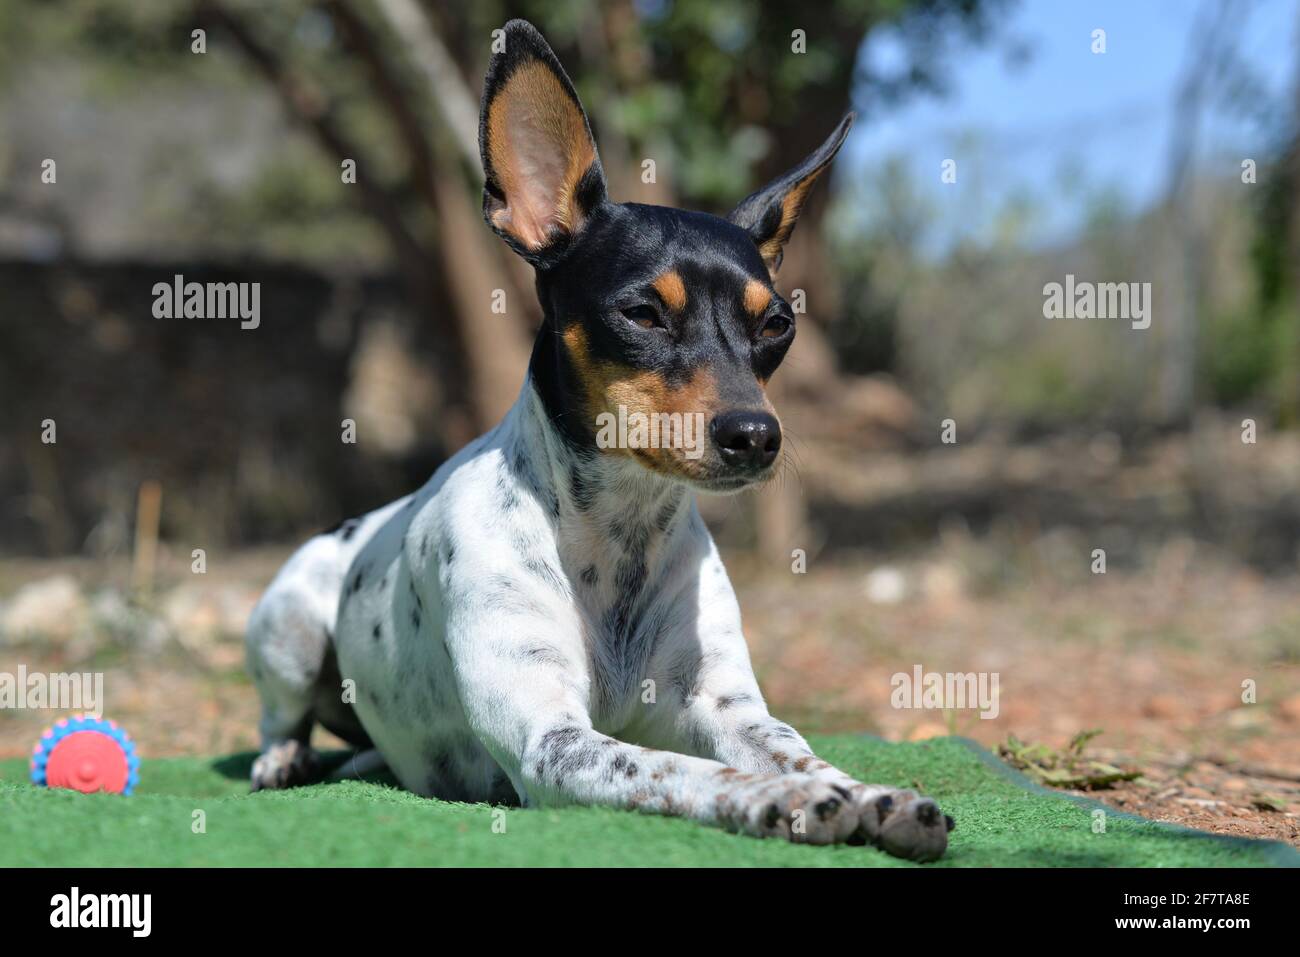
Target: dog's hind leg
{"points": [[287, 645]]}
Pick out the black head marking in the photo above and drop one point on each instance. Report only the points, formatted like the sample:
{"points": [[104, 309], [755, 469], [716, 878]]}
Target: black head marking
{"points": [[669, 309]]}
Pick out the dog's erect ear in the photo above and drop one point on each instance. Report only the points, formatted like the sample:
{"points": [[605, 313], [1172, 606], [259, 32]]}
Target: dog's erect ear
{"points": [[543, 176], [770, 214]]}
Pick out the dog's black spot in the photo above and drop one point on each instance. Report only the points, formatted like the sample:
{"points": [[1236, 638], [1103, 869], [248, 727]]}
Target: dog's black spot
{"points": [[731, 700], [543, 570], [563, 750], [824, 809], [527, 478], [753, 735], [772, 816], [507, 495], [629, 579], [415, 618], [783, 732], [345, 529], [376, 633], [541, 654], [625, 766], [667, 513], [581, 492], [684, 679], [500, 592], [519, 463], [632, 535], [448, 553], [424, 547], [883, 806]]}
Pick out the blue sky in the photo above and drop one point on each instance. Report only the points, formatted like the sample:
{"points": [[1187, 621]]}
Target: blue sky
{"points": [[1061, 123]]}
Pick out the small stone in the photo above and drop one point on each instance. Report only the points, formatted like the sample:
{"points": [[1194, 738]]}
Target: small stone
{"points": [[926, 730], [1162, 706], [1289, 708], [885, 586], [53, 609]]}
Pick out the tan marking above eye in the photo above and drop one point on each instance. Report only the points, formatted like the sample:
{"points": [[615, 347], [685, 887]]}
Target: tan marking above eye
{"points": [[671, 290], [757, 297]]}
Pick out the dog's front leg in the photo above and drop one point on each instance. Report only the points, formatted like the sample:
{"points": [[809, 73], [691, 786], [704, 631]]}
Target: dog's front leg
{"points": [[715, 709], [524, 693], [745, 736]]}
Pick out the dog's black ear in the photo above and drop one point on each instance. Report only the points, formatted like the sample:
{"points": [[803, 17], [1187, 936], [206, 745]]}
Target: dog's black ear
{"points": [[770, 214], [542, 174]]}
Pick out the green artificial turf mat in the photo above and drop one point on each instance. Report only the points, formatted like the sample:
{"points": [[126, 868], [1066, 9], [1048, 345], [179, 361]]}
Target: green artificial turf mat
{"points": [[1002, 820]]}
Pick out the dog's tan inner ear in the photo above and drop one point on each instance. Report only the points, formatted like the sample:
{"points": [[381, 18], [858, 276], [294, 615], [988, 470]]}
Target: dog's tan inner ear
{"points": [[539, 148], [771, 248]]}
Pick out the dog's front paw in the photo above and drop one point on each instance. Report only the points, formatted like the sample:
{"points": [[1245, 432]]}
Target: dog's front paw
{"points": [[285, 765], [902, 823], [793, 807]]}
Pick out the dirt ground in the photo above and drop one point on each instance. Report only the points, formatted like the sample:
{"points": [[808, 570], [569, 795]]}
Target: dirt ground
{"points": [[1160, 662], [1157, 665]]}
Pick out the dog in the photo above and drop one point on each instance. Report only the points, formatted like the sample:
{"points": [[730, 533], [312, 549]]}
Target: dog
{"points": [[547, 620]]}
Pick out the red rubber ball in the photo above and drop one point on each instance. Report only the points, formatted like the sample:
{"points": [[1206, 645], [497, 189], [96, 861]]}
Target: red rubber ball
{"points": [[87, 761]]}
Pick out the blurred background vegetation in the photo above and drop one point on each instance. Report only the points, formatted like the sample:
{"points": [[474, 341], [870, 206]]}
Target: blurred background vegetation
{"points": [[226, 165]]}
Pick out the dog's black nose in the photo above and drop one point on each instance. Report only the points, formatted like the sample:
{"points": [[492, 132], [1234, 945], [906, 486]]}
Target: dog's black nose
{"points": [[747, 440]]}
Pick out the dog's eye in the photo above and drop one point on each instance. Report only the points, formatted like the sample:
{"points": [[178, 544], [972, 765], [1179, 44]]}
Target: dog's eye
{"points": [[645, 316], [775, 327]]}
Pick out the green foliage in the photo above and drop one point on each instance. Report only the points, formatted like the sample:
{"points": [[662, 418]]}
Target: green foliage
{"points": [[710, 88], [1239, 356], [716, 84]]}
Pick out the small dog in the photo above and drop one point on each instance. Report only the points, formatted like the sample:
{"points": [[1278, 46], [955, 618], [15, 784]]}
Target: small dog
{"points": [[547, 620]]}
